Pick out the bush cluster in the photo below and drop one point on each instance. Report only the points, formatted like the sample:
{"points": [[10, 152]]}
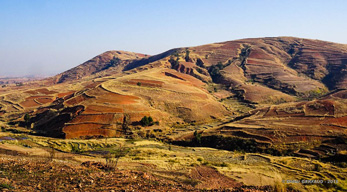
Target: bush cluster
{"points": [[148, 121]]}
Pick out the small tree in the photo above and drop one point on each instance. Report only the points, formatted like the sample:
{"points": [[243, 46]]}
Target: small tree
{"points": [[197, 137], [27, 119], [144, 121], [117, 154], [150, 120], [147, 121]]}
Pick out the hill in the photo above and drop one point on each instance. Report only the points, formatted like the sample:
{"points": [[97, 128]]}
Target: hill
{"points": [[279, 96], [280, 77]]}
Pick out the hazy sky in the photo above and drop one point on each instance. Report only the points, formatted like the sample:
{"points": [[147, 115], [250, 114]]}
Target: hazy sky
{"points": [[51, 36]]}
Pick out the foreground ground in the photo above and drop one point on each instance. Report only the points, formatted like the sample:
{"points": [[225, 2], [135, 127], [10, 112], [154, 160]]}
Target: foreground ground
{"points": [[33, 163]]}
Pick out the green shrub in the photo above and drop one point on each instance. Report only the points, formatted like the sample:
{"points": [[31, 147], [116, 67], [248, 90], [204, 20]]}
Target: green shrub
{"points": [[6, 186], [75, 148], [197, 137], [147, 121], [27, 119]]}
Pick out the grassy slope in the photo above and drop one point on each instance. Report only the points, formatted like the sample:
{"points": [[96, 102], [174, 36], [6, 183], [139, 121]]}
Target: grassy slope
{"points": [[173, 164]]}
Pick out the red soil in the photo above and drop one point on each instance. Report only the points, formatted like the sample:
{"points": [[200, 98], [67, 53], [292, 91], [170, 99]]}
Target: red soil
{"points": [[61, 95], [92, 109], [96, 118], [258, 54], [184, 77], [41, 91], [341, 121], [44, 100], [30, 101], [142, 55], [87, 129], [76, 100], [115, 98], [263, 63], [231, 47]]}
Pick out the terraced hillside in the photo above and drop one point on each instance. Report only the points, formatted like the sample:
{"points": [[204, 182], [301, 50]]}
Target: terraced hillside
{"points": [[278, 78]]}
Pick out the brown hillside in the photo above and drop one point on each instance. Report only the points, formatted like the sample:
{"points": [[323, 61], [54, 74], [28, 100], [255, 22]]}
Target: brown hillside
{"points": [[185, 86], [109, 59]]}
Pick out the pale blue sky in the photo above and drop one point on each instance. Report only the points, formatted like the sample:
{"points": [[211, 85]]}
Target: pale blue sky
{"points": [[51, 36]]}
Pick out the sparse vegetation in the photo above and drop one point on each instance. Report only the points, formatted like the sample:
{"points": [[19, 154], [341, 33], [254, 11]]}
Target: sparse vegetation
{"points": [[75, 148], [6, 186], [147, 121], [126, 123], [200, 63], [197, 137], [113, 156], [186, 57], [214, 71], [27, 119], [174, 62], [51, 151]]}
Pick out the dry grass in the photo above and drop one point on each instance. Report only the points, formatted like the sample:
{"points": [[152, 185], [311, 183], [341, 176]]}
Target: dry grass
{"points": [[166, 161]]}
